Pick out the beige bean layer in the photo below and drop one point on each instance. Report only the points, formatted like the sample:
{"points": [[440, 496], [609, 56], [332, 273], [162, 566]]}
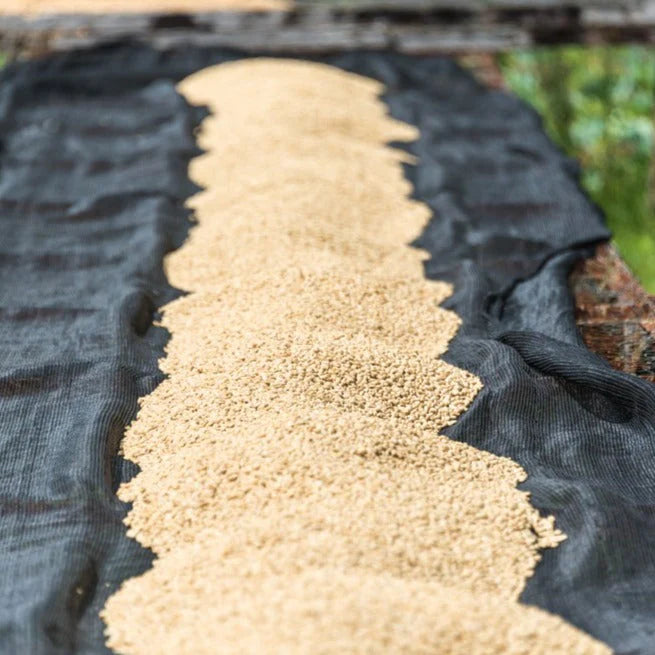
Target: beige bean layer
{"points": [[294, 484]]}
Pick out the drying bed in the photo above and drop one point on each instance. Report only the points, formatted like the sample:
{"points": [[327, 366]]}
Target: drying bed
{"points": [[299, 324]]}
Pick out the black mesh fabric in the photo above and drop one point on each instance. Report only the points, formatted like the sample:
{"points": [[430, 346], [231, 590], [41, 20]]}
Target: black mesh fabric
{"points": [[92, 182]]}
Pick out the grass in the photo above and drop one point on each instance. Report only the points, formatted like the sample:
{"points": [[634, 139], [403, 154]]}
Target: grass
{"points": [[598, 104]]}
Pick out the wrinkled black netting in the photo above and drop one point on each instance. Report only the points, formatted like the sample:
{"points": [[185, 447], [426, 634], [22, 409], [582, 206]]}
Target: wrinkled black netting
{"points": [[93, 156], [92, 181]]}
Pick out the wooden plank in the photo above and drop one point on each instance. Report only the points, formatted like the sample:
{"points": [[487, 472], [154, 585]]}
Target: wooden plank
{"points": [[416, 26]]}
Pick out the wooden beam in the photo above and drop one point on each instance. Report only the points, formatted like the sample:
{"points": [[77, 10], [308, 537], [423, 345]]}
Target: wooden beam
{"points": [[313, 26]]}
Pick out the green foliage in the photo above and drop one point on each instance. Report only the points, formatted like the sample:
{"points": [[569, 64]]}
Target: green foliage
{"points": [[599, 104]]}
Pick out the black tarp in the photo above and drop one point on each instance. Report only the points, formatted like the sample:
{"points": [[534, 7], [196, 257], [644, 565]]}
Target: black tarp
{"points": [[94, 147]]}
